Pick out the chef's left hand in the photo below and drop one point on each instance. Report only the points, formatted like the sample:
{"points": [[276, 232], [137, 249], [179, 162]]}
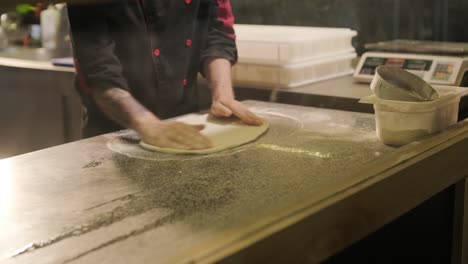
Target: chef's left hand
{"points": [[227, 106]]}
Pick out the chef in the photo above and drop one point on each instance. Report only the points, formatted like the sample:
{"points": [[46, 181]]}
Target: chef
{"points": [[137, 63]]}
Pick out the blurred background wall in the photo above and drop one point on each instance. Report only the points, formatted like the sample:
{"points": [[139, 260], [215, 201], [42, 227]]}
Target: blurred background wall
{"points": [[375, 20]]}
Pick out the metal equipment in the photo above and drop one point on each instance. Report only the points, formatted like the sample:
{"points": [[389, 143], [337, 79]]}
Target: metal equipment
{"points": [[436, 62]]}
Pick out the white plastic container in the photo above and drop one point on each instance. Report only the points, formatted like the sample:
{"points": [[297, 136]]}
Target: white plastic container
{"points": [[292, 75], [280, 45], [50, 19], [399, 123]]}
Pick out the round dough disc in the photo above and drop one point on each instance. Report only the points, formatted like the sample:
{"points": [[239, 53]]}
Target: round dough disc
{"points": [[224, 134]]}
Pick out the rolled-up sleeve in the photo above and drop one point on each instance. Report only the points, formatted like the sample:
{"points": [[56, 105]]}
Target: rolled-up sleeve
{"points": [[97, 66], [221, 39]]}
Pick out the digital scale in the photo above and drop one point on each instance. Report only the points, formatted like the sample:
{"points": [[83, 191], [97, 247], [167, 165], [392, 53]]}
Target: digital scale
{"points": [[440, 63]]}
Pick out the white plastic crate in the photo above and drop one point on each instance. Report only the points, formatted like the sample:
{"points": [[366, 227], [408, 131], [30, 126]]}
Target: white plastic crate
{"points": [[280, 45], [293, 75], [400, 122]]}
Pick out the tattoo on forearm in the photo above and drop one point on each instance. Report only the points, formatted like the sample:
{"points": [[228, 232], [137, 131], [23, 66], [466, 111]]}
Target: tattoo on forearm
{"points": [[120, 106]]}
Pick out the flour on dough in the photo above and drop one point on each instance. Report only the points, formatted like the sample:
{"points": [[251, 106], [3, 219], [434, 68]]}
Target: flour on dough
{"points": [[224, 134]]}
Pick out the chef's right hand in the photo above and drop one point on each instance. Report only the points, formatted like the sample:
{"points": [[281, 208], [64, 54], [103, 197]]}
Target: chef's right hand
{"points": [[173, 134]]}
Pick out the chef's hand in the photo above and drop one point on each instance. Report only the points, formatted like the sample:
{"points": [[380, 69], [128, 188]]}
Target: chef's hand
{"points": [[227, 106], [224, 104], [173, 134], [122, 107]]}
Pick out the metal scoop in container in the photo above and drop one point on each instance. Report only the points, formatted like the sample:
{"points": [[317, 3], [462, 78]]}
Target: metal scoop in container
{"points": [[391, 83]]}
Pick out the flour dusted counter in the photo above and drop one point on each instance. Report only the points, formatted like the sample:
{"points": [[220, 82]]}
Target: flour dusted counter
{"points": [[315, 183]]}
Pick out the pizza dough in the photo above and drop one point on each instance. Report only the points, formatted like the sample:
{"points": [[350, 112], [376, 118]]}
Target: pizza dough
{"points": [[224, 134]]}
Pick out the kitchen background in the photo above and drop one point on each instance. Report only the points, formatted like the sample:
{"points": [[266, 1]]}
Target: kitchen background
{"points": [[375, 20]]}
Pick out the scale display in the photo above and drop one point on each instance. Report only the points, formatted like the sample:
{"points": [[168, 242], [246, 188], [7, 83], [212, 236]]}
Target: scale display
{"points": [[371, 63], [442, 70]]}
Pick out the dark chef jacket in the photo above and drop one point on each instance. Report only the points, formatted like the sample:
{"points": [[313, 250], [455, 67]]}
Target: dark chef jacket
{"points": [[152, 48]]}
